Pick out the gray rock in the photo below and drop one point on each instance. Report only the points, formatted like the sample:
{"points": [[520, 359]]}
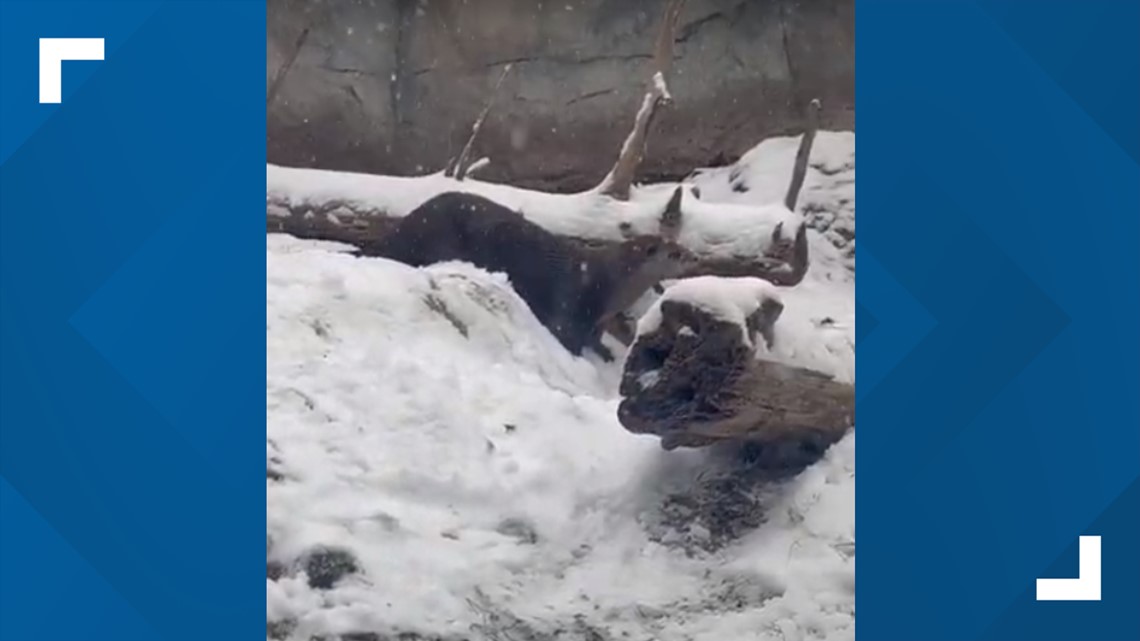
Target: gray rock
{"points": [[393, 86], [325, 566]]}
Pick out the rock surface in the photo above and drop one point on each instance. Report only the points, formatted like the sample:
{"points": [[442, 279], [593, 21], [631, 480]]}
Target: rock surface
{"points": [[393, 86]]}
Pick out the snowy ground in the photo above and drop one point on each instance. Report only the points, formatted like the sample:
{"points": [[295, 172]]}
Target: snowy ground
{"points": [[422, 421]]}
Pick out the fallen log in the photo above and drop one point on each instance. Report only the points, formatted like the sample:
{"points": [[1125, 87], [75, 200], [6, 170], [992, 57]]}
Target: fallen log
{"points": [[692, 376], [767, 242]]}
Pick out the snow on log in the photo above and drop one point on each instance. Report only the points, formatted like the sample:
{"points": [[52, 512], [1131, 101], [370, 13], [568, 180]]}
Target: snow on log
{"points": [[729, 239], [478, 165], [693, 377]]}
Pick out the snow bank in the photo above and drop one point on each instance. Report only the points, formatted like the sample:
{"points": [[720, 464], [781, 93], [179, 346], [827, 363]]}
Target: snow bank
{"points": [[492, 468], [817, 328], [422, 420]]}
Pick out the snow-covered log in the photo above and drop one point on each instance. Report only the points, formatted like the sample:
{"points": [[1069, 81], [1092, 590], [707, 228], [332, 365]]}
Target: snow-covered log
{"points": [[693, 377], [728, 239]]}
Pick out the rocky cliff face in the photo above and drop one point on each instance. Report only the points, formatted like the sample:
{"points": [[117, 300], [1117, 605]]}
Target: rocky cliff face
{"points": [[393, 86]]}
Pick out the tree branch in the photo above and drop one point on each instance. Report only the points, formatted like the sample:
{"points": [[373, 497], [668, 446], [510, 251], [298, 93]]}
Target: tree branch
{"points": [[460, 169], [799, 170], [618, 181]]}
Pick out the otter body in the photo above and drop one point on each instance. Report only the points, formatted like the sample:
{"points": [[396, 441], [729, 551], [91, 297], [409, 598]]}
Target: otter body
{"points": [[572, 290]]}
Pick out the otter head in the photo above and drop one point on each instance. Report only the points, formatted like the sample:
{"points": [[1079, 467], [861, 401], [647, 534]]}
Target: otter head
{"points": [[642, 261]]}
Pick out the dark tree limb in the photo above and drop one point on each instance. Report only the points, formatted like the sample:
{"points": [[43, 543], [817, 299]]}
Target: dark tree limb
{"points": [[799, 169], [459, 170]]}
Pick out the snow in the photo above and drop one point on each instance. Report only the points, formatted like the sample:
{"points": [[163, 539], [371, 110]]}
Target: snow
{"points": [[482, 163], [729, 299], [817, 327], [660, 87], [649, 379], [423, 420], [827, 200]]}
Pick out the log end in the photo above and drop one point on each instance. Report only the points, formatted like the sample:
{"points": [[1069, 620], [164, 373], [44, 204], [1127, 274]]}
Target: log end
{"points": [[694, 380]]}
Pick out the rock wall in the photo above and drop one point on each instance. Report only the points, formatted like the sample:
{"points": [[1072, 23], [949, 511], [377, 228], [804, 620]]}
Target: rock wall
{"points": [[393, 86]]}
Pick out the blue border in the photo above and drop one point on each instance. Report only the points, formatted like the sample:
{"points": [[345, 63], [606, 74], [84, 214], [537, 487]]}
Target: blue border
{"points": [[132, 350], [999, 253]]}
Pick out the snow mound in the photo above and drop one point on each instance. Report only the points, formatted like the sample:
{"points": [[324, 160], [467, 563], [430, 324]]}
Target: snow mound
{"points": [[473, 475], [487, 472], [817, 328]]}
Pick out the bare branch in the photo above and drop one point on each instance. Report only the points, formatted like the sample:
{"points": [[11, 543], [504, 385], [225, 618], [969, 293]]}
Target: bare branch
{"points": [[478, 165], [799, 170], [449, 169], [663, 48], [620, 178], [460, 168], [669, 226], [618, 182]]}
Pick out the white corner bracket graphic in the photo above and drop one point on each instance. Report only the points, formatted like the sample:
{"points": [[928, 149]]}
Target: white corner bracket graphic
{"points": [[1086, 587], [53, 51]]}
